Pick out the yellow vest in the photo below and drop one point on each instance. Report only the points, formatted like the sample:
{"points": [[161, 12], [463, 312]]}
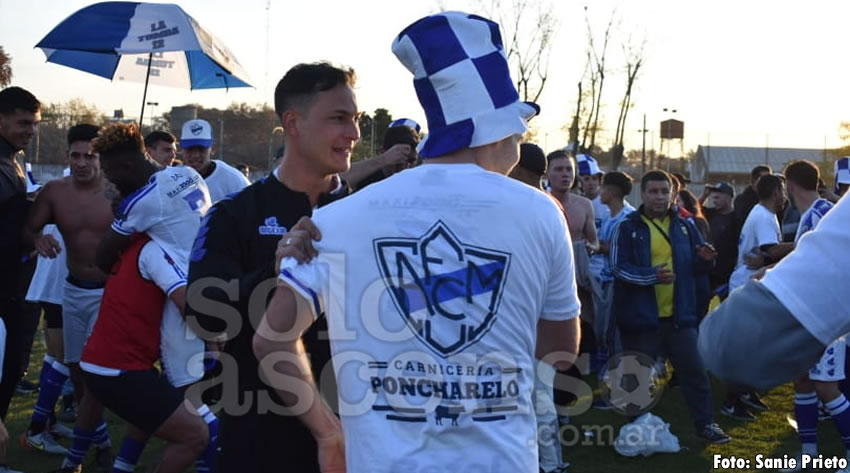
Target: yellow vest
{"points": [[662, 253]]}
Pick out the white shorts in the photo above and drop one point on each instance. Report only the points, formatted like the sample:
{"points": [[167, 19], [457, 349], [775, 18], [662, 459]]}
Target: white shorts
{"points": [[79, 313], [830, 367], [182, 351]]}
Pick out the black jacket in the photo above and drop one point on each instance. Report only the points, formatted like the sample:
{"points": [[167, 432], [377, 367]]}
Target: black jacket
{"points": [[14, 207], [236, 247]]}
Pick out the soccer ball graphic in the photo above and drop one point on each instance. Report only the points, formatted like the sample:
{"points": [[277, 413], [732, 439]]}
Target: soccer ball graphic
{"points": [[632, 383]]}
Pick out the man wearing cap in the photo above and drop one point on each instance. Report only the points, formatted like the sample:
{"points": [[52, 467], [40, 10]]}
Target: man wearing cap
{"points": [[438, 292], [725, 228], [222, 179], [590, 176]]}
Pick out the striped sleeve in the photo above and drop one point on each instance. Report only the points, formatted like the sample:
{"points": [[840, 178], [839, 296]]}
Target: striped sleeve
{"points": [[308, 280]]}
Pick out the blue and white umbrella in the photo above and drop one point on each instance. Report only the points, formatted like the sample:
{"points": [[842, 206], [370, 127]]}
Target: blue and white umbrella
{"points": [[143, 42]]}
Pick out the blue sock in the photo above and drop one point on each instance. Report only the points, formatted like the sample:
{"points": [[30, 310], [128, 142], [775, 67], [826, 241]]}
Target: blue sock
{"points": [[806, 412], [53, 377], [204, 464], [79, 447], [100, 438], [128, 456], [839, 409], [45, 367]]}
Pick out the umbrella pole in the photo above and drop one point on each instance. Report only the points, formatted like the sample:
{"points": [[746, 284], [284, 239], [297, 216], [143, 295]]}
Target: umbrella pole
{"points": [[145, 94]]}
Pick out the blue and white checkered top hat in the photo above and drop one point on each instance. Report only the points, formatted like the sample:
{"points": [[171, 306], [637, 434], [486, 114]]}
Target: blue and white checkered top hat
{"points": [[842, 171], [405, 122], [32, 184], [587, 165], [462, 79]]}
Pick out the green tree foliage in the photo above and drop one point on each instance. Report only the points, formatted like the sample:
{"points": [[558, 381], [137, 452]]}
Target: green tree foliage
{"points": [[51, 143], [5, 68]]}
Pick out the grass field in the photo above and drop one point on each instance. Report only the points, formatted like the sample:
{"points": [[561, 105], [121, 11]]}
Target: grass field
{"points": [[769, 435]]}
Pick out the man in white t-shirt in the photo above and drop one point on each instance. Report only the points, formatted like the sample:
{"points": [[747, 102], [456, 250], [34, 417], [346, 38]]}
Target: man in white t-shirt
{"points": [[222, 179], [760, 233], [804, 296], [436, 307]]}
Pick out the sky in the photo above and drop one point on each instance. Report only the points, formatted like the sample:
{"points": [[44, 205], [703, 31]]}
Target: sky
{"points": [[746, 73]]}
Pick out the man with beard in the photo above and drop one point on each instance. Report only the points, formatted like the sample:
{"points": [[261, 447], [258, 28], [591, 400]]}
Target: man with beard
{"points": [[78, 205]]}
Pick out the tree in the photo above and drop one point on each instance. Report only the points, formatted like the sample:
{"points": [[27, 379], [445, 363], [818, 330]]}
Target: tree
{"points": [[51, 141], [370, 143], [596, 60], [5, 68], [529, 28], [634, 61]]}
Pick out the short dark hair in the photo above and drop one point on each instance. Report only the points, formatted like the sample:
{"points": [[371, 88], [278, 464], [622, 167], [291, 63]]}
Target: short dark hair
{"points": [[82, 132], [15, 98], [655, 175], [303, 81], [767, 185], [119, 139], [242, 167], [620, 180], [803, 173], [159, 135], [400, 135], [758, 171], [557, 154]]}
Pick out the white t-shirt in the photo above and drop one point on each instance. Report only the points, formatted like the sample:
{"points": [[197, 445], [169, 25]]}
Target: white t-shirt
{"points": [[601, 213], [812, 283], [225, 180], [158, 267], [169, 208], [432, 309], [761, 228], [48, 281]]}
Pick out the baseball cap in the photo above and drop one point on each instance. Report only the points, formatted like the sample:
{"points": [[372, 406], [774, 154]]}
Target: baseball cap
{"points": [[724, 187], [196, 133], [532, 158]]}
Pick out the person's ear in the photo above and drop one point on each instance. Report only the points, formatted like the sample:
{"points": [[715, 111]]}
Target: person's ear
{"points": [[289, 121]]}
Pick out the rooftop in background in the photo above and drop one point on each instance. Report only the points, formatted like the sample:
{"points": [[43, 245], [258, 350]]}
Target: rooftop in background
{"points": [[730, 160]]}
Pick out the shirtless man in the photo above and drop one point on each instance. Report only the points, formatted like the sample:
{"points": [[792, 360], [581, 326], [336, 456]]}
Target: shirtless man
{"points": [[78, 205], [561, 176]]}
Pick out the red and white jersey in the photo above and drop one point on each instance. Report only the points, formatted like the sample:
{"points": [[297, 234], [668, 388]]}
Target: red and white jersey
{"points": [[126, 335]]}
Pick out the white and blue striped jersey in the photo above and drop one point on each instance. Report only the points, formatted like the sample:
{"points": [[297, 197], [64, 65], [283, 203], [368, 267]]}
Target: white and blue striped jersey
{"points": [[169, 208], [811, 217]]}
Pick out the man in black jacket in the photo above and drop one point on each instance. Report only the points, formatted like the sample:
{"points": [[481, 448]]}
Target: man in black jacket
{"points": [[232, 274], [20, 113], [749, 198]]}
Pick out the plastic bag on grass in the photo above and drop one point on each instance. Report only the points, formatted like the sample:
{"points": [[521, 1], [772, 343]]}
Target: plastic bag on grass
{"points": [[646, 435]]}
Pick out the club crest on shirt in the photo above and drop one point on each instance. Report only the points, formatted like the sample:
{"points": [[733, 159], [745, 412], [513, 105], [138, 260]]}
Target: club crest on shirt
{"points": [[270, 227], [448, 292]]}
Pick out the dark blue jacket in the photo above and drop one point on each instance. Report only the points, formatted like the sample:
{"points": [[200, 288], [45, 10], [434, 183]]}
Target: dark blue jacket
{"points": [[635, 306]]}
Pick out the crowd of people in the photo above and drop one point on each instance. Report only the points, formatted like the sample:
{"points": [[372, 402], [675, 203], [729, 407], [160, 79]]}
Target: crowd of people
{"points": [[405, 312]]}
